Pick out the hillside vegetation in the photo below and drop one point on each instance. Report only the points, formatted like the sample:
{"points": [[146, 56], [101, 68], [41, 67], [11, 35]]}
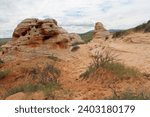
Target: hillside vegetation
{"points": [[145, 27], [87, 37], [4, 41]]}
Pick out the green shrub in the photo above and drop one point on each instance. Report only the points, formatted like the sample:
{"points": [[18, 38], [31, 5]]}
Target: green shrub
{"points": [[46, 74], [91, 69], [47, 88], [105, 60]]}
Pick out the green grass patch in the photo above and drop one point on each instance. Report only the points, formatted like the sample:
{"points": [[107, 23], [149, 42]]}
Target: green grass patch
{"points": [[121, 70], [47, 88], [130, 95]]}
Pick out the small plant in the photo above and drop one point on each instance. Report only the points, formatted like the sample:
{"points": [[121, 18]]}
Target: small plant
{"points": [[88, 72], [98, 61], [107, 61], [46, 74]]}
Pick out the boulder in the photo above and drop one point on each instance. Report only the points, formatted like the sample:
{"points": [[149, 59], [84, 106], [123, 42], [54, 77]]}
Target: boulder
{"points": [[75, 39]]}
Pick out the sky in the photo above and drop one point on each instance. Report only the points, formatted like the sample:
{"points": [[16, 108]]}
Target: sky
{"points": [[75, 15]]}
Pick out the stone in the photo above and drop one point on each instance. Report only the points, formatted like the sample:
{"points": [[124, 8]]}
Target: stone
{"points": [[75, 39]]}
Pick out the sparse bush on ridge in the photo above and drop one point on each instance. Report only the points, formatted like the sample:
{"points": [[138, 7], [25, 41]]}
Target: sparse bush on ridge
{"points": [[120, 33], [106, 60], [145, 27]]}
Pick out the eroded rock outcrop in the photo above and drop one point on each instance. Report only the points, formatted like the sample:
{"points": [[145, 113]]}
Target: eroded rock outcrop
{"points": [[35, 31], [100, 32]]}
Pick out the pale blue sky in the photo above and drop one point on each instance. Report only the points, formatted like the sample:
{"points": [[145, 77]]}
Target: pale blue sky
{"points": [[75, 15]]}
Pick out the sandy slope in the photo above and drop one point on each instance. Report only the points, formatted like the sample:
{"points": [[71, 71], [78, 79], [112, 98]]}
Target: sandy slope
{"points": [[134, 50]]}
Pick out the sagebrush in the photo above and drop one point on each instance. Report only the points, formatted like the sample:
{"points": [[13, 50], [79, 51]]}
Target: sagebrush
{"points": [[106, 60]]}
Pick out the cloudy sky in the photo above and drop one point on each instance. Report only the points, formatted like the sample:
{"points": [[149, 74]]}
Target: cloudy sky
{"points": [[75, 15]]}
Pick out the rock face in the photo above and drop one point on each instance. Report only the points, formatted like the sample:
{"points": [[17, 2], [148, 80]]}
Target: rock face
{"points": [[100, 32], [35, 31]]}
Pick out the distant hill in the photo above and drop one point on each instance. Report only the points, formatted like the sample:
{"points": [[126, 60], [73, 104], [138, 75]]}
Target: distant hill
{"points": [[4, 41], [145, 27], [86, 37], [114, 30]]}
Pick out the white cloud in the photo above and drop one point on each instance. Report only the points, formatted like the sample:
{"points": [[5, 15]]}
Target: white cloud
{"points": [[74, 15]]}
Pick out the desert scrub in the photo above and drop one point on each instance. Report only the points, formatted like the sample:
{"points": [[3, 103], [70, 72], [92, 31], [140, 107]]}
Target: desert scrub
{"points": [[45, 74], [98, 61], [47, 88], [130, 95], [107, 61], [3, 74]]}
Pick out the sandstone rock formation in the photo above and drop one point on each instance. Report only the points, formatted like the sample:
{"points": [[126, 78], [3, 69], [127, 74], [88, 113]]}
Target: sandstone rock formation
{"points": [[34, 31], [100, 32]]}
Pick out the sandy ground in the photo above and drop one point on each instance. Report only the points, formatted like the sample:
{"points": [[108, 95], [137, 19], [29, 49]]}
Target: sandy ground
{"points": [[132, 50]]}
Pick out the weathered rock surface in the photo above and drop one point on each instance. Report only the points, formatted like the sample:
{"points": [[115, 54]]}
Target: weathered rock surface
{"points": [[35, 31], [100, 32]]}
